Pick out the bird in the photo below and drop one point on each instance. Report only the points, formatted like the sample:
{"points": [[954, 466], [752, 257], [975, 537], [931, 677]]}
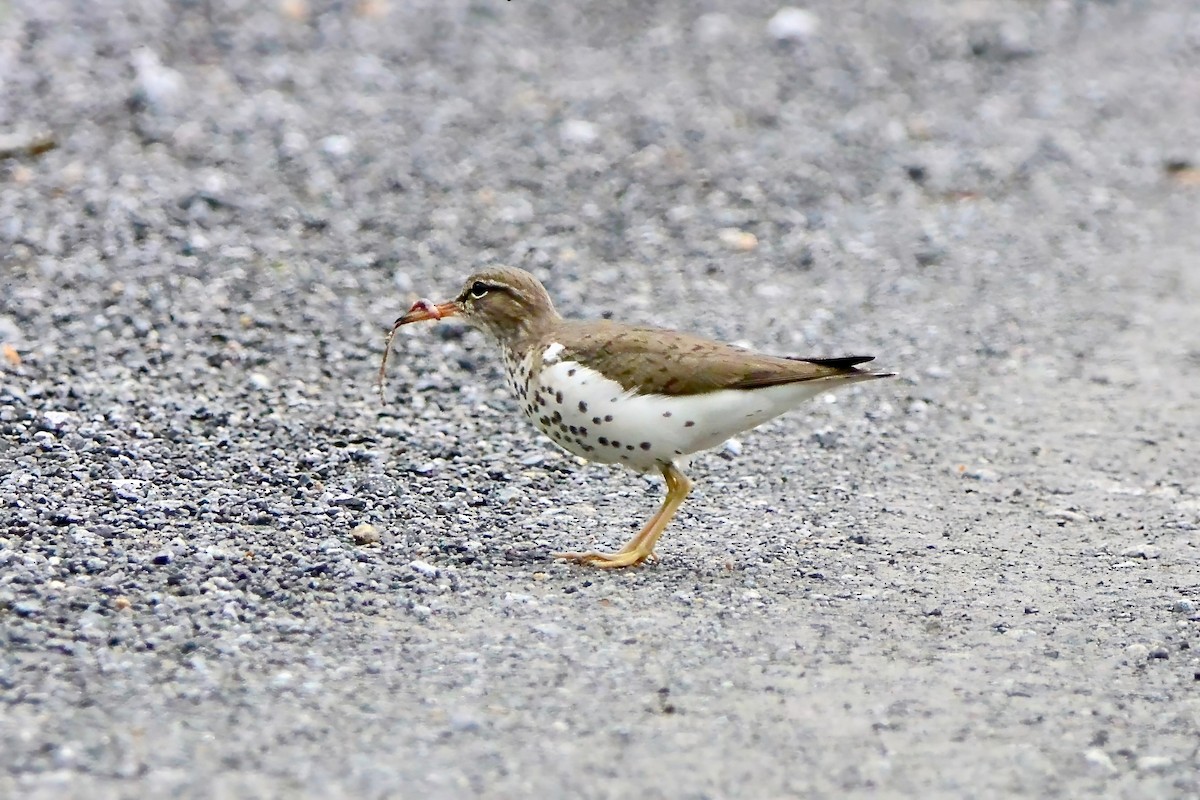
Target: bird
{"points": [[641, 397]]}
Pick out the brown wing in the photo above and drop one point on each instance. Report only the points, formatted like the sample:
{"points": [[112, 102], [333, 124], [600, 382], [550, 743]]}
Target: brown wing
{"points": [[655, 361]]}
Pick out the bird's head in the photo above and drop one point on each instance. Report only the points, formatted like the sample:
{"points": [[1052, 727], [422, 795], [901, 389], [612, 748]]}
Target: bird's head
{"points": [[504, 302]]}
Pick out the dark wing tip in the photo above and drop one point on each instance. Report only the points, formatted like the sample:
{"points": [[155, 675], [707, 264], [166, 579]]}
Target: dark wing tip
{"points": [[841, 362]]}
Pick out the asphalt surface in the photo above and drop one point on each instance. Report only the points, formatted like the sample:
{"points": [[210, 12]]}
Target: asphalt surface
{"points": [[227, 570]]}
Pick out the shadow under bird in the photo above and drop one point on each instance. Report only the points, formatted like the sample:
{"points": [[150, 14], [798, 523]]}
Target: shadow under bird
{"points": [[644, 398]]}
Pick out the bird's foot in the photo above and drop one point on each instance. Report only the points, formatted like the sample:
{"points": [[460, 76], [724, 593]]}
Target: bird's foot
{"points": [[624, 558]]}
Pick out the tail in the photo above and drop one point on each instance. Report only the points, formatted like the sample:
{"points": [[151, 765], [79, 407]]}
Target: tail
{"points": [[847, 364]]}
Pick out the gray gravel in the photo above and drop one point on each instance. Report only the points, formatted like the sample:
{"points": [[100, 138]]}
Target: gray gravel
{"points": [[227, 571]]}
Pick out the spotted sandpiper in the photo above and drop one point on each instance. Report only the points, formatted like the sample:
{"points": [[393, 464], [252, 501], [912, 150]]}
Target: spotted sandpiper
{"points": [[645, 398]]}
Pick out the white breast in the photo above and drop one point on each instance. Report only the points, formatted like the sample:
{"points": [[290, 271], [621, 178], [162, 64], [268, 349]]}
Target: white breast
{"points": [[595, 418]]}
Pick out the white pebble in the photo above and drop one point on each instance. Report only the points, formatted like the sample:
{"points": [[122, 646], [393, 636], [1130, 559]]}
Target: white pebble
{"points": [[578, 132], [507, 495], [1153, 763], [1137, 652], [56, 420], [337, 145], [1140, 551], [794, 24], [737, 239], [365, 533], [1100, 760], [424, 568], [160, 86]]}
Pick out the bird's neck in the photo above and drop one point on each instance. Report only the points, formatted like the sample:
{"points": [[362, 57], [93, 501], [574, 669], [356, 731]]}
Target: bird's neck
{"points": [[524, 334]]}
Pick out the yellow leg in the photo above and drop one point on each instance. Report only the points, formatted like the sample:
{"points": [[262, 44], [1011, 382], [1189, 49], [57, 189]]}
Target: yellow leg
{"points": [[641, 547]]}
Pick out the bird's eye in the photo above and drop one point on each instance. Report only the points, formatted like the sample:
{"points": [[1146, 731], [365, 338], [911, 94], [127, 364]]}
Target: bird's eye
{"points": [[479, 289]]}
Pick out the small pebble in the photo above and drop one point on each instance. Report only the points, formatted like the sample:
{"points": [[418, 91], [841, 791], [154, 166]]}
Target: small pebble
{"points": [[160, 87], [1153, 763], [337, 145], [461, 723], [1065, 514], [738, 240], [578, 132], [27, 608], [508, 494], [828, 439], [1100, 760], [55, 420], [1137, 652], [365, 533], [793, 24], [349, 501], [424, 568]]}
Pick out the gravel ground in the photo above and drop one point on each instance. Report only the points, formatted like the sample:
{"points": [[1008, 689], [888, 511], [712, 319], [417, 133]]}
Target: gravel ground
{"points": [[227, 571]]}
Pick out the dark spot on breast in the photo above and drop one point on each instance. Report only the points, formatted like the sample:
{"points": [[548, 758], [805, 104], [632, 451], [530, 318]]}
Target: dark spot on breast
{"points": [[616, 444], [571, 373], [628, 447], [645, 445], [558, 397], [689, 423], [603, 440], [666, 413], [573, 429], [608, 418], [556, 417], [595, 420], [582, 431], [545, 422], [582, 407]]}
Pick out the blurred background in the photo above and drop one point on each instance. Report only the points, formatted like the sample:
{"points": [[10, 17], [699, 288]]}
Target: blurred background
{"points": [[979, 579]]}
